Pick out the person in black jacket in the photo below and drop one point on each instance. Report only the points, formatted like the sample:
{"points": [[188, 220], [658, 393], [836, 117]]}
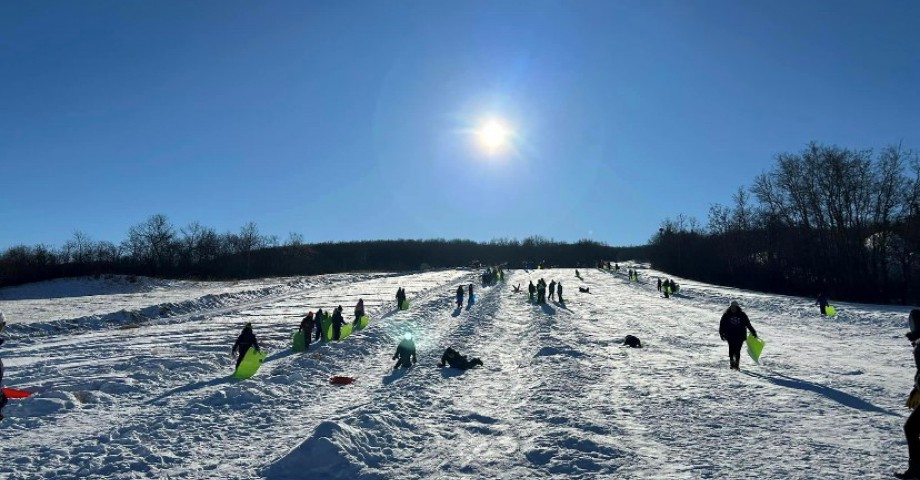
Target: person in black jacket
{"points": [[337, 321], [733, 329], [471, 293], [244, 342], [559, 292], [405, 352], [3, 399], [359, 311], [460, 296], [306, 326], [455, 360], [400, 297], [532, 289], [822, 302], [320, 314], [912, 425]]}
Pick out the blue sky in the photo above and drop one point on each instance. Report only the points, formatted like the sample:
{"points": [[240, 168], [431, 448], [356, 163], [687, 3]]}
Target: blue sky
{"points": [[347, 120]]}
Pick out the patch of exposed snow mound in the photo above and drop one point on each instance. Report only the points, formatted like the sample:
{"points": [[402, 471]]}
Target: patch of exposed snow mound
{"points": [[326, 454]]}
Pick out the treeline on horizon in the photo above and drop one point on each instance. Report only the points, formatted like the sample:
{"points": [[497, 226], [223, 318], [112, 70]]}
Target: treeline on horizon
{"points": [[159, 249], [826, 219]]}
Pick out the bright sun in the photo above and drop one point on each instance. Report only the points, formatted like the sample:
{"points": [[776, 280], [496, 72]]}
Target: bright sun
{"points": [[493, 136]]}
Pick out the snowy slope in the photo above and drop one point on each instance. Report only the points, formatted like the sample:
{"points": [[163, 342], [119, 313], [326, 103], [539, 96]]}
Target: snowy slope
{"points": [[558, 398]]}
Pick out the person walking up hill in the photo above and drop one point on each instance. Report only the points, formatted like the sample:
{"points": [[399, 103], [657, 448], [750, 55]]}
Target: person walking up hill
{"points": [[733, 329]]}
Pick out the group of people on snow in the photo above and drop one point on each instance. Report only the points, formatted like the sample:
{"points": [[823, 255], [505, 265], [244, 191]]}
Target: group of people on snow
{"points": [[400, 297], [539, 290], [406, 356], [492, 275], [460, 293], [668, 287]]}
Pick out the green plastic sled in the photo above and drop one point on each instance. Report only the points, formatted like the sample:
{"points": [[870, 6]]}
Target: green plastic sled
{"points": [[404, 305], [830, 311], [250, 364], [755, 347], [298, 343], [346, 330], [325, 324], [362, 323]]}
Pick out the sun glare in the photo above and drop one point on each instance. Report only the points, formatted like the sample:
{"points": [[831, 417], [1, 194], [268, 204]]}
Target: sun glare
{"points": [[493, 136]]}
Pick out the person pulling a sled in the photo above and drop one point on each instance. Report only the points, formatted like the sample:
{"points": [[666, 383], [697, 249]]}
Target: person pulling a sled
{"points": [[244, 342], [359, 311]]}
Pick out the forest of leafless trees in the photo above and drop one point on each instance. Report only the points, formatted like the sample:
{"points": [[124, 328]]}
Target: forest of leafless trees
{"points": [[825, 219], [158, 248]]}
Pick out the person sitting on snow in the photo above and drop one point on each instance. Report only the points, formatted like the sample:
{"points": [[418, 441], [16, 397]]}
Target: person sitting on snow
{"points": [[455, 360], [244, 342], [405, 352]]}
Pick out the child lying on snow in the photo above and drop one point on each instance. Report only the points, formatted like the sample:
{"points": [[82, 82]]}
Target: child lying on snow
{"points": [[454, 359]]}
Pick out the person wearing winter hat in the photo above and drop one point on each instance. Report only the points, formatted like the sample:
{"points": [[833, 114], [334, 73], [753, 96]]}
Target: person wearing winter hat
{"points": [[912, 425], [405, 352], [244, 342], [306, 326], [733, 329]]}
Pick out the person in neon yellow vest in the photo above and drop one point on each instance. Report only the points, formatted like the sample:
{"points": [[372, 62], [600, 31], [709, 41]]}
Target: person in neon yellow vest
{"points": [[733, 329]]}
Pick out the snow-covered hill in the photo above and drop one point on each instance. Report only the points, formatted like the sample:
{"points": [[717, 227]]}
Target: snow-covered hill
{"points": [[142, 389]]}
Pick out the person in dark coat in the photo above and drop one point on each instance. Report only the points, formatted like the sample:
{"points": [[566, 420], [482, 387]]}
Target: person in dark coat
{"points": [[244, 342], [733, 329], [532, 289], [912, 425], [405, 352], [659, 284], [552, 289], [455, 360], [471, 293], [667, 288], [319, 323], [359, 311], [306, 326], [337, 321], [460, 296], [822, 302], [559, 292], [3, 398], [400, 297]]}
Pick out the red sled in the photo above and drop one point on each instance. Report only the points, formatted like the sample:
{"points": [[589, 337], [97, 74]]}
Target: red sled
{"points": [[15, 393], [341, 380]]}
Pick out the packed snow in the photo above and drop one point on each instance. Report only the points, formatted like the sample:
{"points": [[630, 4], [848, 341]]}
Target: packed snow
{"points": [[132, 380]]}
